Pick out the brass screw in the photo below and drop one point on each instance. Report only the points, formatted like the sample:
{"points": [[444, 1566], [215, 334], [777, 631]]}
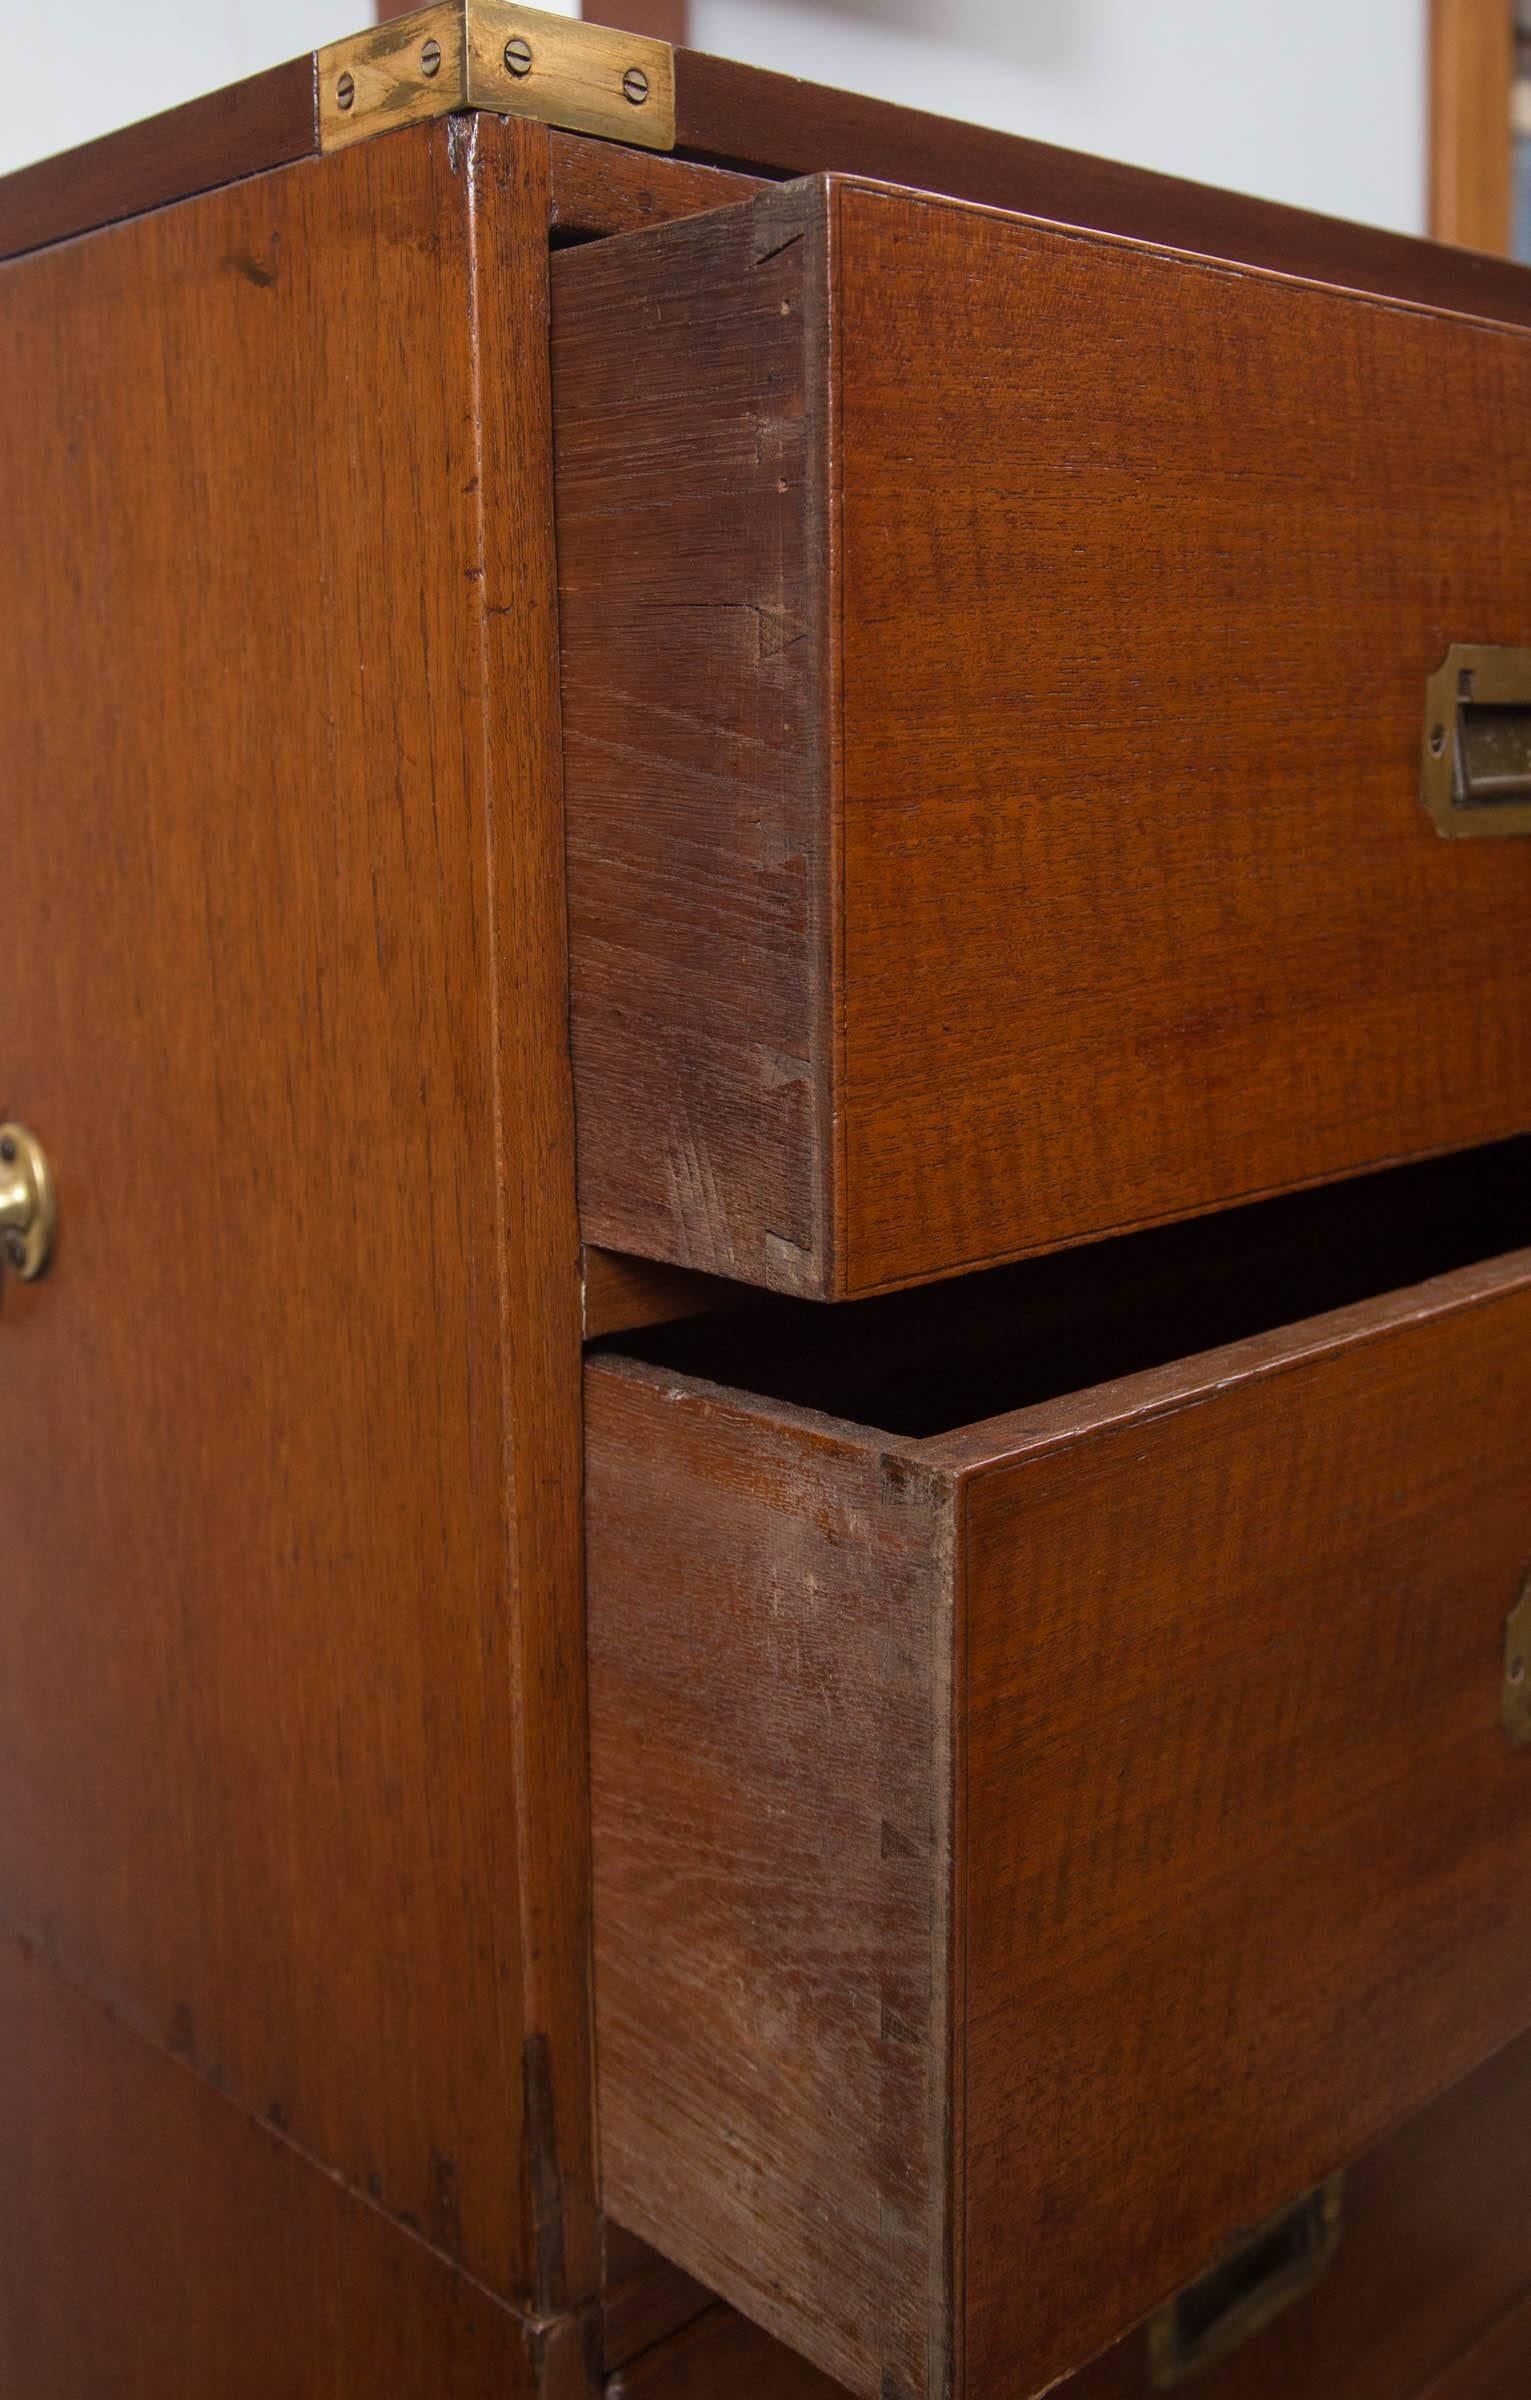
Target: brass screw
{"points": [[430, 58], [1437, 740], [518, 55], [1517, 1670], [345, 90], [17, 1249], [635, 86], [8, 1151]]}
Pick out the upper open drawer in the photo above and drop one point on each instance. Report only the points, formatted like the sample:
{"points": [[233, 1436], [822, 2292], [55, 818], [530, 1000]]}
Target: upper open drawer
{"points": [[996, 663]]}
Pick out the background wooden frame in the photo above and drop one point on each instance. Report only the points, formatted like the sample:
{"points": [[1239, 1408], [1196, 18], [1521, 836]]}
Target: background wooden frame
{"points": [[664, 20], [1472, 69]]}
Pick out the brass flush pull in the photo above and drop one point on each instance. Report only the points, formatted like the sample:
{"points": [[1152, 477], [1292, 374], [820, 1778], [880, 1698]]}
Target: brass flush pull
{"points": [[1475, 775], [1248, 2287], [1515, 1706], [28, 1213]]}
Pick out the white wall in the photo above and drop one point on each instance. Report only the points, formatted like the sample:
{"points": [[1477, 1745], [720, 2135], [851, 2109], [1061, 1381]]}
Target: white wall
{"points": [[1321, 102], [92, 64]]}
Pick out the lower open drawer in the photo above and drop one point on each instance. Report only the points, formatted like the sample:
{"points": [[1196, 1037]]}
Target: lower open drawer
{"points": [[1027, 1851]]}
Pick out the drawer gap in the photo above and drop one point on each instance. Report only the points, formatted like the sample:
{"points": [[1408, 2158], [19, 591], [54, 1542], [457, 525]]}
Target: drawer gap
{"points": [[924, 1362]]}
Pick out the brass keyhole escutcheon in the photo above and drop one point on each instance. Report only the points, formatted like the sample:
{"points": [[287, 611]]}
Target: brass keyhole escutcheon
{"points": [[28, 1209]]}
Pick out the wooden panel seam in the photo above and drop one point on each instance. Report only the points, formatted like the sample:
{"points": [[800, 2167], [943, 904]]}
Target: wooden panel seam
{"points": [[34, 1943]]}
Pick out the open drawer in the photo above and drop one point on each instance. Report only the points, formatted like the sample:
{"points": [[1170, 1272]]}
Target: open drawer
{"points": [[1027, 1852], [1016, 684]]}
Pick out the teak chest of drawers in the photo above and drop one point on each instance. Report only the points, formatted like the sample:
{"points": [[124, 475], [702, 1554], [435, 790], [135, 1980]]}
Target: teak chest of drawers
{"points": [[764, 1520]]}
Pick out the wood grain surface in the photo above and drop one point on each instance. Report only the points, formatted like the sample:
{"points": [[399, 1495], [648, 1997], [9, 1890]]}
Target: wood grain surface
{"points": [[511, 625], [1496, 2368], [622, 1293], [1230, 1845], [993, 775], [1242, 1823], [159, 2244], [700, 814], [291, 1696], [769, 1793], [599, 187]]}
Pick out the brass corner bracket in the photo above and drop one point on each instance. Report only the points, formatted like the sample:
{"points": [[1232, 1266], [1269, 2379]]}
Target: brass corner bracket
{"points": [[517, 62]]}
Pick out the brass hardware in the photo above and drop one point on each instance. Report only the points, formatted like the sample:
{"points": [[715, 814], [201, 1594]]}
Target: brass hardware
{"points": [[1475, 770], [1247, 2288], [28, 1212], [518, 62], [1515, 1703]]}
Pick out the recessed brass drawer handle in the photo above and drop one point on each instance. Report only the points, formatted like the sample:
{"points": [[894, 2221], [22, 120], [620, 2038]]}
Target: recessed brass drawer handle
{"points": [[28, 1211], [1476, 772], [1516, 1697], [1247, 2288]]}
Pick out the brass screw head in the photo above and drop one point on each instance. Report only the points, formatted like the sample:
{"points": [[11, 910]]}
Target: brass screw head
{"points": [[430, 58], [635, 86], [518, 55], [345, 90]]}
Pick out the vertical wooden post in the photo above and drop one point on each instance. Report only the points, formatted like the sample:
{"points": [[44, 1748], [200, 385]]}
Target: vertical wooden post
{"points": [[1472, 63]]}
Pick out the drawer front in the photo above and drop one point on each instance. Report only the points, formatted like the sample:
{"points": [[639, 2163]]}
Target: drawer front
{"points": [[1026, 1854], [995, 666], [1434, 2256]]}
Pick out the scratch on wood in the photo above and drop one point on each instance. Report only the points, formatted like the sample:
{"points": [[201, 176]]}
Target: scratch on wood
{"points": [[775, 249]]}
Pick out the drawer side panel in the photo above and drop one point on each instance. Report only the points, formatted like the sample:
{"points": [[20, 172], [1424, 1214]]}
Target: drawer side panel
{"points": [[692, 597], [769, 1645]]}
